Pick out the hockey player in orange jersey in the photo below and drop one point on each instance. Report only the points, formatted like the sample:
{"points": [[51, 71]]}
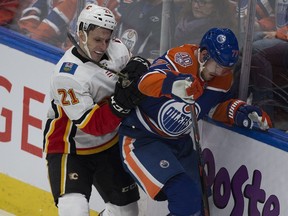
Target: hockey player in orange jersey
{"points": [[157, 147]]}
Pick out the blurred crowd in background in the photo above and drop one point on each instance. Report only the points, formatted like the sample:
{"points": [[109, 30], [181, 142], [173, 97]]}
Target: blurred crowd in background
{"points": [[140, 27]]}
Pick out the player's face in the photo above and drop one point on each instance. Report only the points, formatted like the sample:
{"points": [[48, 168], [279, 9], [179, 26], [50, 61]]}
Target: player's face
{"points": [[212, 69], [97, 42]]}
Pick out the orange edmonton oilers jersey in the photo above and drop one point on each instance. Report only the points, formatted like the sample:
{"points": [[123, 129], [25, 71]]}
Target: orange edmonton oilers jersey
{"points": [[162, 115], [179, 60]]}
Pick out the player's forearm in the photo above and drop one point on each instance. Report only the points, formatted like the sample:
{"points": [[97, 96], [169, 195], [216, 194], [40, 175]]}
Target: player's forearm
{"points": [[220, 112]]}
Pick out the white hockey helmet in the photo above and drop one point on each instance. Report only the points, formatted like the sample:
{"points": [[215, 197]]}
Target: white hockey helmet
{"points": [[96, 15]]}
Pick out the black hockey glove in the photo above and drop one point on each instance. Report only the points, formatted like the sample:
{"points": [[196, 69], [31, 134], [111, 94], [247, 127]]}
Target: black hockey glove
{"points": [[118, 108], [126, 95], [125, 98], [136, 67]]}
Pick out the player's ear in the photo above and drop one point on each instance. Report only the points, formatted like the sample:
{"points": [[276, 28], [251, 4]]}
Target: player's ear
{"points": [[203, 53], [81, 35]]}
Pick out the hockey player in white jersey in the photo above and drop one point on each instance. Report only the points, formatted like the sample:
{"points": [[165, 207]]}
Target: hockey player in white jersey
{"points": [[80, 136]]}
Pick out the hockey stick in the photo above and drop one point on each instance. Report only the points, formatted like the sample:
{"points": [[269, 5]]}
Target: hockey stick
{"points": [[196, 136], [74, 42]]}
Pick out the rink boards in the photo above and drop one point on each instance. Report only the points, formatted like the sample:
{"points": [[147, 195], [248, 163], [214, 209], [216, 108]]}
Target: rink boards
{"points": [[247, 170]]}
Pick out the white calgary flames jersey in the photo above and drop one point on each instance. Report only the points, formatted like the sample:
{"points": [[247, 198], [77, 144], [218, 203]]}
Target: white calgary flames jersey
{"points": [[80, 120]]}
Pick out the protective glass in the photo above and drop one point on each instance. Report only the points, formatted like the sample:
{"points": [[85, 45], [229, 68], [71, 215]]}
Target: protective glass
{"points": [[202, 3]]}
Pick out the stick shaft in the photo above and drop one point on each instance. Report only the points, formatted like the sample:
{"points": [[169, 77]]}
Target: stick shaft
{"points": [[196, 136]]}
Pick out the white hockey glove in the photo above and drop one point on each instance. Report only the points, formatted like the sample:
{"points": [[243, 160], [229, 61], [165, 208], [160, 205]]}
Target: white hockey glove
{"points": [[183, 88], [261, 121]]}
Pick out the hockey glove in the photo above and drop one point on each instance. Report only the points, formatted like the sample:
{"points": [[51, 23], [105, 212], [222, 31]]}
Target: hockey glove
{"points": [[125, 98], [136, 67], [127, 90], [245, 115], [183, 88], [118, 108]]}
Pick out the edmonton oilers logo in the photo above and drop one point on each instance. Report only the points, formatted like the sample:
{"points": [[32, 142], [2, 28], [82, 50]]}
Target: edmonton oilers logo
{"points": [[221, 38], [164, 164], [174, 118], [129, 38]]}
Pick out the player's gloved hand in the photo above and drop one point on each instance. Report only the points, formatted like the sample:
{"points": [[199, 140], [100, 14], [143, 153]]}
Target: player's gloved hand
{"points": [[245, 115], [184, 87], [126, 95], [136, 67], [118, 108], [125, 98]]}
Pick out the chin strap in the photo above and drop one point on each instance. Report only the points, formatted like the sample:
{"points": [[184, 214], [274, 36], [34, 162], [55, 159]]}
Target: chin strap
{"points": [[200, 63], [85, 45]]}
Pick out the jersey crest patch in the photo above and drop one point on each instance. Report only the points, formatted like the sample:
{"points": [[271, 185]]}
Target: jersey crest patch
{"points": [[174, 118], [68, 67], [183, 59]]}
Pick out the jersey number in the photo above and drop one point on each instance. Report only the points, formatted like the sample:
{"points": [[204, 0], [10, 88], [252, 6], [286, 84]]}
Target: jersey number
{"points": [[65, 95]]}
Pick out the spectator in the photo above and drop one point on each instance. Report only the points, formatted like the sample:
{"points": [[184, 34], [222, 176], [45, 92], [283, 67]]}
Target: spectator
{"points": [[140, 27], [269, 64], [264, 20], [198, 16], [50, 23], [157, 147], [8, 10]]}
